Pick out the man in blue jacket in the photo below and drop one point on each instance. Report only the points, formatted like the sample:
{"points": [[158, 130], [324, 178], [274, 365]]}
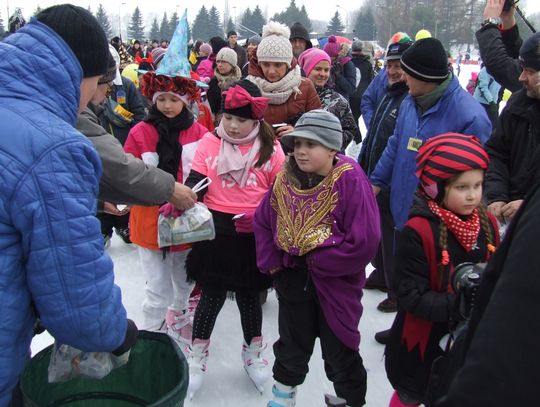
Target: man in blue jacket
{"points": [[436, 104], [52, 261]]}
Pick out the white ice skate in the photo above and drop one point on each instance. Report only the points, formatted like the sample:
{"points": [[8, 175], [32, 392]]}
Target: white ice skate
{"points": [[179, 326], [254, 363], [197, 355], [284, 396]]}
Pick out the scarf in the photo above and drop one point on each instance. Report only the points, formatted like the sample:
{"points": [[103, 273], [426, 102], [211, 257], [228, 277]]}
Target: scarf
{"points": [[280, 91], [465, 231], [168, 147], [225, 81], [230, 158]]}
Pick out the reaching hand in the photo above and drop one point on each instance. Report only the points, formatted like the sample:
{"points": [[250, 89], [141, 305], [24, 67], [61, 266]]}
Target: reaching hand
{"points": [[183, 197], [170, 211], [510, 209], [493, 9], [245, 223], [496, 210], [112, 209]]}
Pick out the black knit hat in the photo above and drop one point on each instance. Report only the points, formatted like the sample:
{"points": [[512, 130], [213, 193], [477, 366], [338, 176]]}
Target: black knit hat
{"points": [[244, 111], [529, 54], [82, 32], [426, 60], [299, 31], [217, 43], [111, 72]]}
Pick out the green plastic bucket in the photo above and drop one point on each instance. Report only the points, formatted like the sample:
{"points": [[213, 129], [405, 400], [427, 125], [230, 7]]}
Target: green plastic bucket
{"points": [[155, 375]]}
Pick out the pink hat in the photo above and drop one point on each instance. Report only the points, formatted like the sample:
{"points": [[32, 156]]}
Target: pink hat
{"points": [[206, 48], [332, 47], [311, 57]]}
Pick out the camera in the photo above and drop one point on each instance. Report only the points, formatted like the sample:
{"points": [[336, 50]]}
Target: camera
{"points": [[508, 4], [465, 282]]}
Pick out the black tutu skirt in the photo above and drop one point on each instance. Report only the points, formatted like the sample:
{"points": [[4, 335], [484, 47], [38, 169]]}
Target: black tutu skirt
{"points": [[227, 263]]}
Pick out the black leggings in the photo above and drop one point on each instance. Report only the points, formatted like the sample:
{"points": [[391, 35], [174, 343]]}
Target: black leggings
{"points": [[211, 303]]}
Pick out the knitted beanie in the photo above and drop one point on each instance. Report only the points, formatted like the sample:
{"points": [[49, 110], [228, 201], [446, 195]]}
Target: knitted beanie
{"points": [[317, 125], [256, 39], [205, 48], [444, 156], [399, 42], [275, 45], [228, 55], [82, 32], [217, 43], [310, 58], [158, 54], [111, 72], [357, 46], [426, 61], [529, 53], [332, 47]]}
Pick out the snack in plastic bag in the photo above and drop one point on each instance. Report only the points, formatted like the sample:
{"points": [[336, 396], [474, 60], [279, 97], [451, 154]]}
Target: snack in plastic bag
{"points": [[68, 362], [194, 225]]}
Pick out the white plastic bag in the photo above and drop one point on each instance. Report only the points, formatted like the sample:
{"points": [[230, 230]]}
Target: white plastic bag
{"points": [[68, 362], [194, 225]]}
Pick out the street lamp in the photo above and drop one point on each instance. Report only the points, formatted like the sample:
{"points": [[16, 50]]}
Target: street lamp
{"points": [[120, 19], [346, 17], [234, 11]]}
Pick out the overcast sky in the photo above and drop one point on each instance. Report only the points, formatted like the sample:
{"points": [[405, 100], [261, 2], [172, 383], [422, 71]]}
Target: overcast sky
{"points": [[317, 10]]}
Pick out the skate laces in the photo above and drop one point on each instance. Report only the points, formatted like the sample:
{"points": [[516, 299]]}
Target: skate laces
{"points": [[197, 356], [253, 354]]}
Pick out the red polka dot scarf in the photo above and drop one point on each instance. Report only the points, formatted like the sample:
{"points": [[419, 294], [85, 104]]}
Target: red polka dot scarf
{"points": [[465, 231]]}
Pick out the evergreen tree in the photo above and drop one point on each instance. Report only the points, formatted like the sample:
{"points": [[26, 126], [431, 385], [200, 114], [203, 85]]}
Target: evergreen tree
{"points": [[364, 26], [200, 25], [2, 29], [290, 16], [164, 32], [335, 27], [245, 21], [257, 20], [154, 30], [304, 19], [37, 11], [230, 25], [136, 28], [103, 20], [173, 23], [215, 28]]}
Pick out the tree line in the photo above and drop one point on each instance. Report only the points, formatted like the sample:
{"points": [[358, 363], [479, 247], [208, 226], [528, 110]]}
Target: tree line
{"points": [[452, 21]]}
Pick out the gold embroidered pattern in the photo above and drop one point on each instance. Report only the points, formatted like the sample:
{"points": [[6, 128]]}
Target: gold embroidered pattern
{"points": [[304, 218]]}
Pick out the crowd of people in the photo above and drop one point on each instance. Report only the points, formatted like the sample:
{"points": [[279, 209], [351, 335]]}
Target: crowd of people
{"points": [[258, 135]]}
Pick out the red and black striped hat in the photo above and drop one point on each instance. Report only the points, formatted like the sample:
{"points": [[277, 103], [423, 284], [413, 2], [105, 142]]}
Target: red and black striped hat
{"points": [[444, 156]]}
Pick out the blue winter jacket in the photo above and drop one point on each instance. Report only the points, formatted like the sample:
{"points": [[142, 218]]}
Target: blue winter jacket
{"points": [[373, 96], [51, 248], [456, 111]]}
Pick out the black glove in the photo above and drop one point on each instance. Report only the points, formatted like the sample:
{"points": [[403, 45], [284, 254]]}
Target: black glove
{"points": [[131, 338]]}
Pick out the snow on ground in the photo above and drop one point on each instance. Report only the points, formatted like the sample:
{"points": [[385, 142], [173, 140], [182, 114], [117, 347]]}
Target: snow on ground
{"points": [[226, 383]]}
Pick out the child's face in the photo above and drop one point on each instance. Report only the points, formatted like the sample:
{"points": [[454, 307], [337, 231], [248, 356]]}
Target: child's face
{"points": [[170, 105], [320, 73], [223, 67], [237, 127], [313, 157], [464, 193]]}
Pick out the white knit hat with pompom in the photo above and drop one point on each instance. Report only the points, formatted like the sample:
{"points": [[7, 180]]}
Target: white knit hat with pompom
{"points": [[275, 45]]}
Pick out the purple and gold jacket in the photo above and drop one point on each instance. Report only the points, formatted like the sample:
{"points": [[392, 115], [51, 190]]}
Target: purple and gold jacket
{"points": [[336, 226]]}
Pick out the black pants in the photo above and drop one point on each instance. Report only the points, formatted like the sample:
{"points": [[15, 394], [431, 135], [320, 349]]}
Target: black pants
{"points": [[301, 321], [108, 222], [492, 111], [384, 259], [355, 108]]}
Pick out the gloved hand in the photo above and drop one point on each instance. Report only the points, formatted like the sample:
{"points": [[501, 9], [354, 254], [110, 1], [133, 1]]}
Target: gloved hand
{"points": [[130, 339], [245, 223], [169, 210]]}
